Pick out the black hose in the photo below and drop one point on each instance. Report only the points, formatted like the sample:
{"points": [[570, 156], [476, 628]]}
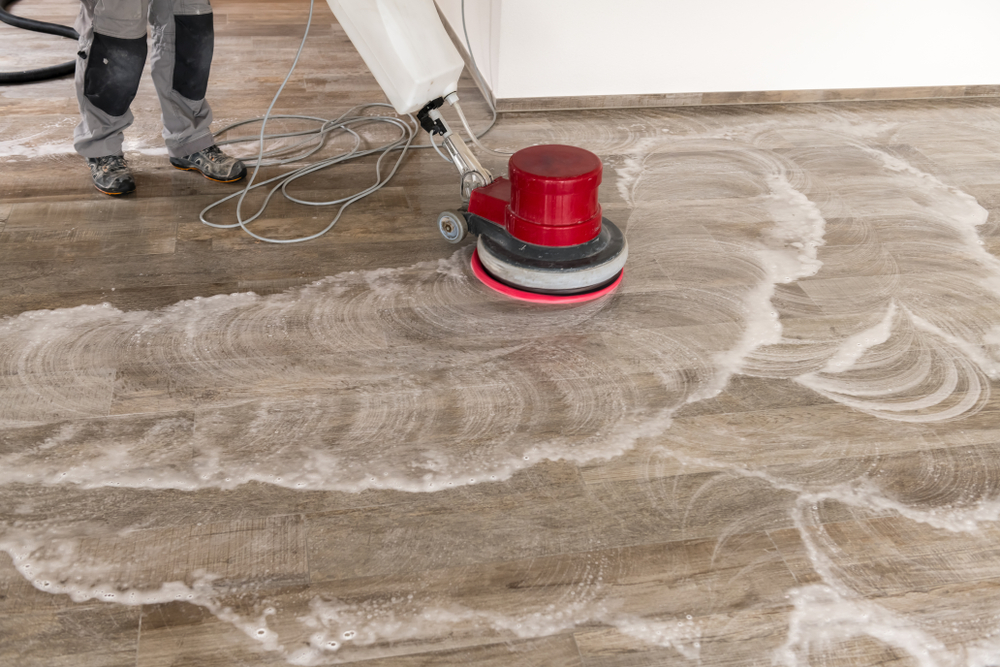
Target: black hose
{"points": [[43, 73]]}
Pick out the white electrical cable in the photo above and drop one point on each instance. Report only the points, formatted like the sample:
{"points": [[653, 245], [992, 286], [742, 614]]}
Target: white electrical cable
{"points": [[438, 150], [472, 135], [316, 137], [482, 82], [475, 71], [407, 132]]}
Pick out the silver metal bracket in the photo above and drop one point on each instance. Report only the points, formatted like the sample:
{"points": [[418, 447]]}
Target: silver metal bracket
{"points": [[473, 174]]}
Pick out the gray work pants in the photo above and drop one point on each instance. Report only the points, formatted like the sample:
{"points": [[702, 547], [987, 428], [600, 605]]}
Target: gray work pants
{"points": [[112, 53]]}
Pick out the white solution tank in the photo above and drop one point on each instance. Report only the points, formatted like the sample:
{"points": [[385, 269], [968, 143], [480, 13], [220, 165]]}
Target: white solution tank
{"points": [[405, 46]]}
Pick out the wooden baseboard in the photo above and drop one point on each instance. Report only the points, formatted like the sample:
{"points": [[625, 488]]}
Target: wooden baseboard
{"points": [[525, 104]]}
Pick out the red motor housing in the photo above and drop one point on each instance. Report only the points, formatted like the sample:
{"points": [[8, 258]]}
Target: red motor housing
{"points": [[550, 199]]}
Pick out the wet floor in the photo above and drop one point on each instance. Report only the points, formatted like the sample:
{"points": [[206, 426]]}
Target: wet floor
{"points": [[776, 443]]}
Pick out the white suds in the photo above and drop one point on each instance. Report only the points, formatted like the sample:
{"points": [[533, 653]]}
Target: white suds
{"points": [[418, 380]]}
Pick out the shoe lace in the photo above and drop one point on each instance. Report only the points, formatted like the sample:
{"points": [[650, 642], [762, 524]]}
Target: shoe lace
{"points": [[112, 163]]}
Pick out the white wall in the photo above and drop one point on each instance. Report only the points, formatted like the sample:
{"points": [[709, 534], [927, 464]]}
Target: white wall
{"points": [[482, 18], [554, 48]]}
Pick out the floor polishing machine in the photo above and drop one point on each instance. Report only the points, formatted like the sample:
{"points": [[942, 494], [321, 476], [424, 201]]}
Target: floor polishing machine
{"points": [[541, 233]]}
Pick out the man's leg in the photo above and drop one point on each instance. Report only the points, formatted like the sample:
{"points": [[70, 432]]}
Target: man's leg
{"points": [[183, 45], [112, 52]]}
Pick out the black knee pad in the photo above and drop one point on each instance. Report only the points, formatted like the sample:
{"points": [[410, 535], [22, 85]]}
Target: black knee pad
{"points": [[114, 67], [193, 47]]}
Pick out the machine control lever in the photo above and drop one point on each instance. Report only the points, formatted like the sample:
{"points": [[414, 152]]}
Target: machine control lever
{"points": [[473, 174]]}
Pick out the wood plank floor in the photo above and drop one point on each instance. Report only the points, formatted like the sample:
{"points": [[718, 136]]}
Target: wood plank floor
{"points": [[776, 443]]}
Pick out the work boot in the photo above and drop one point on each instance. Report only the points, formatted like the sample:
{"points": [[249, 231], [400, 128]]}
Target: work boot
{"points": [[111, 175], [213, 165]]}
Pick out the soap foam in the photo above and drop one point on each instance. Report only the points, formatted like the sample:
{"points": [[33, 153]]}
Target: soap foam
{"points": [[416, 379]]}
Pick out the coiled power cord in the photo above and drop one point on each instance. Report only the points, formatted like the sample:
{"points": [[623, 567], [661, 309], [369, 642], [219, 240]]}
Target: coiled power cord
{"points": [[313, 140], [42, 73]]}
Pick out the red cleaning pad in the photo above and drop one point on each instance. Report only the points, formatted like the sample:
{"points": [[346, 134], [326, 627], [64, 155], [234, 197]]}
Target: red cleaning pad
{"points": [[534, 297]]}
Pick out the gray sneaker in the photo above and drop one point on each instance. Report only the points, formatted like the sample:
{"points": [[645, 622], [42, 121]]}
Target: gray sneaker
{"points": [[213, 165], [111, 175]]}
